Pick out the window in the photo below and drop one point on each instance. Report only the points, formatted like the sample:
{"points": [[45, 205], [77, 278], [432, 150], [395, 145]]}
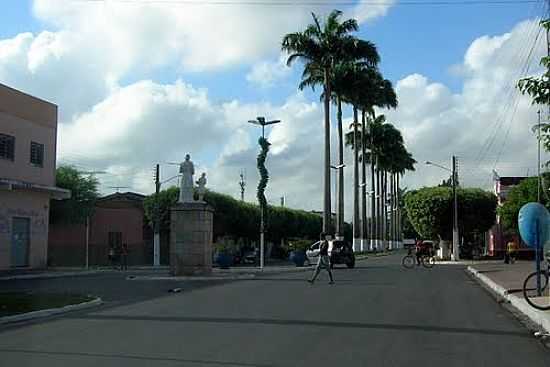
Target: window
{"points": [[7, 147], [37, 154]]}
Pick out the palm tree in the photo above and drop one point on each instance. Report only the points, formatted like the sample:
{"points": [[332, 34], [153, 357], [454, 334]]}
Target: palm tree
{"points": [[368, 90], [323, 46], [343, 75]]}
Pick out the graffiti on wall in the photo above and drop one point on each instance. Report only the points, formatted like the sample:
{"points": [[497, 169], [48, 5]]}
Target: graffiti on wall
{"points": [[39, 223]]}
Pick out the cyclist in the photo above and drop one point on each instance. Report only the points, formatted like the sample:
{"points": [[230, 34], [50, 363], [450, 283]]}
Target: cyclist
{"points": [[419, 247]]}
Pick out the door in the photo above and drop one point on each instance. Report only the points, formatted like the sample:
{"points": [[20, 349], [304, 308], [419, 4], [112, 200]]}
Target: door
{"points": [[20, 242]]}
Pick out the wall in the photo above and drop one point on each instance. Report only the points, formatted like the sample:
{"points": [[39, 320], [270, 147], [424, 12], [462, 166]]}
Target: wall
{"points": [[28, 119], [67, 244], [33, 205]]}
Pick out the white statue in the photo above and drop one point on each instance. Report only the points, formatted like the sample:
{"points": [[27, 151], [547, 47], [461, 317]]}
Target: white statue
{"points": [[187, 170], [201, 189]]}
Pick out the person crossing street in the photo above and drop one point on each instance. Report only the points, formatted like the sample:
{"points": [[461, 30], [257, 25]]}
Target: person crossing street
{"points": [[324, 260]]}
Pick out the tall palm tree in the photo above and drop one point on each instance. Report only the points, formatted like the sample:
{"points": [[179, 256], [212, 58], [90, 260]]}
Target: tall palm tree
{"points": [[368, 90], [343, 78], [322, 47]]}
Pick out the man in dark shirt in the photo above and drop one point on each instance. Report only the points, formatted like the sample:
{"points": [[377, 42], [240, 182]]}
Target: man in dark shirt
{"points": [[324, 260]]}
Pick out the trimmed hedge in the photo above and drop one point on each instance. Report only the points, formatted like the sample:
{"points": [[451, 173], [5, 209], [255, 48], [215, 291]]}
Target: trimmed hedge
{"points": [[241, 219]]}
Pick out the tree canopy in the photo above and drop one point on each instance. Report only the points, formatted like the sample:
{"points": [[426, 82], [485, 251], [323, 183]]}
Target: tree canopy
{"points": [[430, 211], [518, 196], [84, 193]]}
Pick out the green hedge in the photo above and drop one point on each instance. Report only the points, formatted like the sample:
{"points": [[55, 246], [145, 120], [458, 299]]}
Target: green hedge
{"points": [[241, 219]]}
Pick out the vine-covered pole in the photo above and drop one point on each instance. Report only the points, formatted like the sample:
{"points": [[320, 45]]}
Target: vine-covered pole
{"points": [[264, 178]]}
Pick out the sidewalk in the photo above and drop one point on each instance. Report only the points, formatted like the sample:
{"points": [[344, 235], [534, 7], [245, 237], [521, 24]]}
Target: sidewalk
{"points": [[506, 280], [60, 272]]}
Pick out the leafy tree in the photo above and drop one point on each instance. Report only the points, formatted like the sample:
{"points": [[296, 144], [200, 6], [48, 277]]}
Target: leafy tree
{"points": [[84, 193], [430, 210], [161, 203], [518, 196], [538, 88]]}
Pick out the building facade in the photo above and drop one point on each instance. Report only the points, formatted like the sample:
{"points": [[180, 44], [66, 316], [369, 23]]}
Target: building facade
{"points": [[117, 218], [28, 139], [497, 239]]}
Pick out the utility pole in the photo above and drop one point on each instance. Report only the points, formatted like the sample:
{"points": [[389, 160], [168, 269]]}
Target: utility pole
{"points": [[242, 184], [156, 237], [538, 160], [456, 251]]}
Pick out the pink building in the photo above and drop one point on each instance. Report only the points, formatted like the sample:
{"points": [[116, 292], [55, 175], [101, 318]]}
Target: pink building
{"points": [[118, 218], [28, 133], [497, 240]]}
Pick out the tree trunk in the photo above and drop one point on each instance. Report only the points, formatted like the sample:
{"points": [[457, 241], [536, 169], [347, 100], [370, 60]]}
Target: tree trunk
{"points": [[327, 211], [364, 235], [392, 212], [356, 229], [385, 208], [399, 230], [378, 202], [340, 197], [373, 232]]}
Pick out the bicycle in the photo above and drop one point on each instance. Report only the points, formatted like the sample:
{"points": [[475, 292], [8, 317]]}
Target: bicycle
{"points": [[532, 297], [427, 260]]}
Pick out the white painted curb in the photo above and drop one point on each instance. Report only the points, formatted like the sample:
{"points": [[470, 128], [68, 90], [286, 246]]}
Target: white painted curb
{"points": [[538, 317], [50, 312]]}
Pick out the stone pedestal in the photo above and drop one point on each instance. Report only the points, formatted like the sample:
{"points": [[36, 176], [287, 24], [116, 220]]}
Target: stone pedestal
{"points": [[191, 230]]}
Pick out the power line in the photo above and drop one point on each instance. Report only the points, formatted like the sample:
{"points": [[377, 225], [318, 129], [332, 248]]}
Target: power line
{"points": [[317, 3]]}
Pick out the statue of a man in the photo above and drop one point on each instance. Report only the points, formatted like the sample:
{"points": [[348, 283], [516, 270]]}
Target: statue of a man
{"points": [[187, 170], [201, 189]]}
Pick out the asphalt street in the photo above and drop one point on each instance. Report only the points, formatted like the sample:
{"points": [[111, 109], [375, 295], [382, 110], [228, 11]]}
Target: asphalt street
{"points": [[378, 314]]}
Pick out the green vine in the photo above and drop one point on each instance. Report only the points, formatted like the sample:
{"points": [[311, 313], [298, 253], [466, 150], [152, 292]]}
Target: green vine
{"points": [[264, 174]]}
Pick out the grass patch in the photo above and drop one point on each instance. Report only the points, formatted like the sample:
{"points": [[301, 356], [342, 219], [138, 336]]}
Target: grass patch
{"points": [[18, 303]]}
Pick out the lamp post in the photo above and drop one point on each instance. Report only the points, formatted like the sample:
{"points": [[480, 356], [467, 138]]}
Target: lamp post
{"points": [[339, 235], [455, 253], [260, 121]]}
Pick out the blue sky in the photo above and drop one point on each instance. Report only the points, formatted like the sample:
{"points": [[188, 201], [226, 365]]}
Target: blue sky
{"points": [[153, 82], [424, 39]]}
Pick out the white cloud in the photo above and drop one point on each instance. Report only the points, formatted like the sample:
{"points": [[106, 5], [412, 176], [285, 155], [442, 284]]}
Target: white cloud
{"points": [[266, 74], [366, 11]]}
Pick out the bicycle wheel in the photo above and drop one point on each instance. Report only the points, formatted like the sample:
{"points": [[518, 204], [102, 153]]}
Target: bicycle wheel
{"points": [[408, 262], [542, 301], [428, 261]]}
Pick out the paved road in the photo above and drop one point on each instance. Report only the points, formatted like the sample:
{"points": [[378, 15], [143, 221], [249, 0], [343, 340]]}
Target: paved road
{"points": [[376, 315]]}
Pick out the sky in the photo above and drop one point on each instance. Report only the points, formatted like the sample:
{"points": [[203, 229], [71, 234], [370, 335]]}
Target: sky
{"points": [[144, 82]]}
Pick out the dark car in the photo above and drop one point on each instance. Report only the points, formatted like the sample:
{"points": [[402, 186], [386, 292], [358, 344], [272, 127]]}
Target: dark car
{"points": [[341, 252]]}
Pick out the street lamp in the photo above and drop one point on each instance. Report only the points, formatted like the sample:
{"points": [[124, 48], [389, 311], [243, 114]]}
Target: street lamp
{"points": [[338, 214], [260, 121], [455, 253]]}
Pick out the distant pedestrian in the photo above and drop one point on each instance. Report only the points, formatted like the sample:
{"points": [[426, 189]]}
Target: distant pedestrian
{"points": [[111, 256], [511, 251], [324, 260], [124, 257]]}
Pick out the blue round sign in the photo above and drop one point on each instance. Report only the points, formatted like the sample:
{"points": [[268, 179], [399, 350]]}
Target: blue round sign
{"points": [[529, 215]]}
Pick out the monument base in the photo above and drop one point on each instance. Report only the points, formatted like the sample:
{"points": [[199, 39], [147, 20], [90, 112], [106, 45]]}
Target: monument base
{"points": [[191, 230]]}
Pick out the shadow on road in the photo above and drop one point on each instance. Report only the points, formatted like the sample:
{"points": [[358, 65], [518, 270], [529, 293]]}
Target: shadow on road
{"points": [[332, 324], [132, 356]]}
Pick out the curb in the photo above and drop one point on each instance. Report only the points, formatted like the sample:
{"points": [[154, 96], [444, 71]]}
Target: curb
{"points": [[50, 275], [541, 318], [50, 312]]}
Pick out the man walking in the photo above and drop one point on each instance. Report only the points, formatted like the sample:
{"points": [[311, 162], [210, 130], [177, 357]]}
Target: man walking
{"points": [[324, 260]]}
